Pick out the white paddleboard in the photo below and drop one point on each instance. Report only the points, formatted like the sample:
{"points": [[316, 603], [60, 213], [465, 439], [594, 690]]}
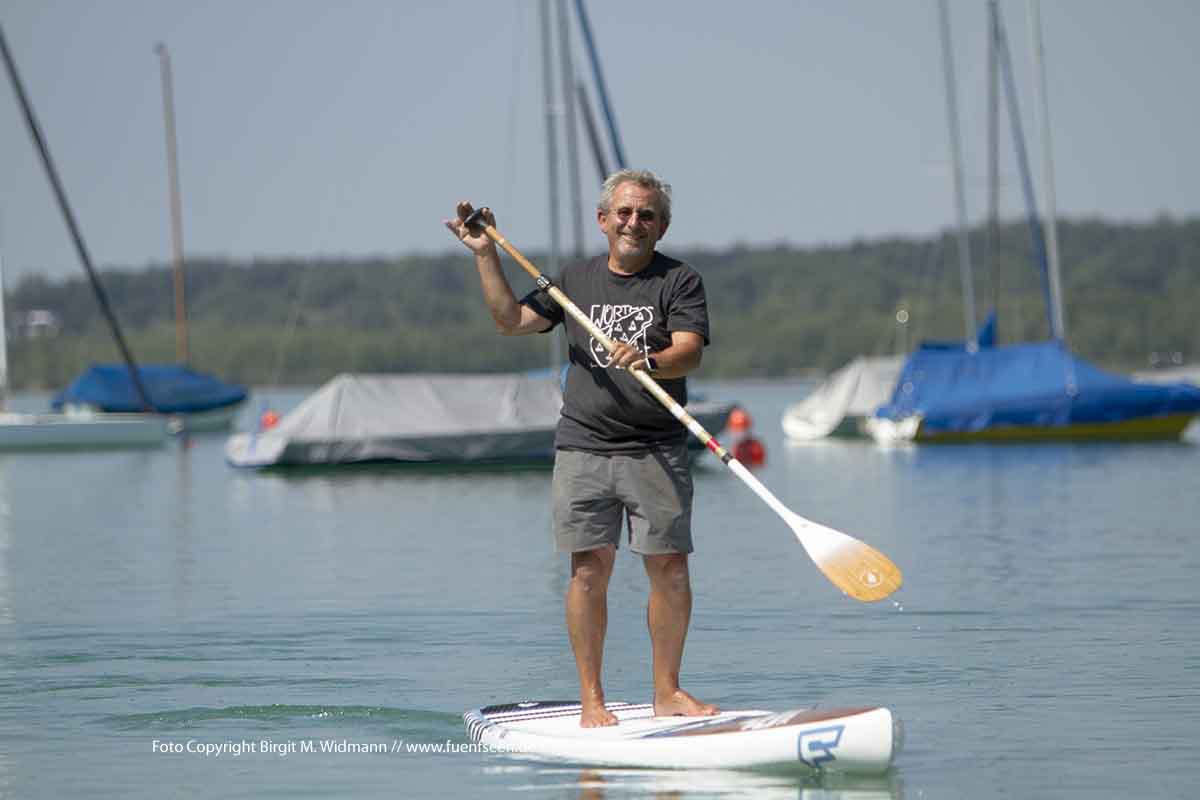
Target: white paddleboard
{"points": [[852, 740]]}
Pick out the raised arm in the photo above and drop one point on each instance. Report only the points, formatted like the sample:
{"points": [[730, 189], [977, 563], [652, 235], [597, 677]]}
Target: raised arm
{"points": [[512, 318]]}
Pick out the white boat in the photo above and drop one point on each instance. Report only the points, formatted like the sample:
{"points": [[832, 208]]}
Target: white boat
{"points": [[80, 431], [74, 430], [840, 405]]}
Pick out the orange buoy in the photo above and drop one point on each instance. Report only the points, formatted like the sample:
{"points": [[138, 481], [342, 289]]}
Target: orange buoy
{"points": [[268, 420], [739, 420]]}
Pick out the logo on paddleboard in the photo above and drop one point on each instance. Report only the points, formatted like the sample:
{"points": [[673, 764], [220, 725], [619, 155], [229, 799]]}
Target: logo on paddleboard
{"points": [[816, 746], [623, 323]]}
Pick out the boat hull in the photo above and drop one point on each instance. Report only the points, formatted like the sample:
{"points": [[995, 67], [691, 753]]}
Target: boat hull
{"points": [[212, 421], [1167, 427], [66, 432], [528, 445]]}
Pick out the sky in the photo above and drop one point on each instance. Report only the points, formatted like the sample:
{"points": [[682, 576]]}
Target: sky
{"points": [[308, 128]]}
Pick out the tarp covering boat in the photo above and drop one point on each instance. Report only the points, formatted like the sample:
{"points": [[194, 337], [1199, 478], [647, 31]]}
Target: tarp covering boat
{"points": [[842, 405], [1031, 387], [173, 389], [458, 418], [846, 396]]}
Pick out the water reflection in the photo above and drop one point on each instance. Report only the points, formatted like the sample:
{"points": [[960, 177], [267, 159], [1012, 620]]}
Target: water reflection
{"points": [[599, 784], [6, 599], [182, 517]]}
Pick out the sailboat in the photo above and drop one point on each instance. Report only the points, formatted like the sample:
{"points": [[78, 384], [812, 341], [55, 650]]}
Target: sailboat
{"points": [[1031, 390], [82, 429], [197, 401]]}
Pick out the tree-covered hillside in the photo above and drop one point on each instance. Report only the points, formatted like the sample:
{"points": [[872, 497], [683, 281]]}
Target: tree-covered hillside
{"points": [[1131, 290]]}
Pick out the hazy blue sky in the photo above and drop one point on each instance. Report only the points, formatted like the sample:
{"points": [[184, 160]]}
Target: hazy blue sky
{"points": [[310, 127]]}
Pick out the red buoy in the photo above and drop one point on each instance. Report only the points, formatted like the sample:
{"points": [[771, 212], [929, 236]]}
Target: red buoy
{"points": [[750, 451], [744, 447]]}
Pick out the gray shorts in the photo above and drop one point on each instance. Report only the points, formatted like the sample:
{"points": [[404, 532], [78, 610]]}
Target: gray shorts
{"points": [[594, 494]]}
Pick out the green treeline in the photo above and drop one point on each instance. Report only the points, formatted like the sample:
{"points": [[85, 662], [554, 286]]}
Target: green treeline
{"points": [[1131, 290]]}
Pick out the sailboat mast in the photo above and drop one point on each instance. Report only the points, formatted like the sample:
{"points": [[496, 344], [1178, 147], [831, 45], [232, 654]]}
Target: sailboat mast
{"points": [[964, 246], [568, 86], [589, 126], [552, 112], [1058, 325], [60, 194], [589, 41], [3, 339], [993, 224], [1036, 234], [168, 93]]}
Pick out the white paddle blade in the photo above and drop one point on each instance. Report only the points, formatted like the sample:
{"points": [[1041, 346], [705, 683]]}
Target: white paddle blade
{"points": [[856, 568]]}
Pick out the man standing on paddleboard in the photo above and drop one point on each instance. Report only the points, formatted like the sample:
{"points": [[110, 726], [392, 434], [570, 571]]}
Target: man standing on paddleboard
{"points": [[621, 458]]}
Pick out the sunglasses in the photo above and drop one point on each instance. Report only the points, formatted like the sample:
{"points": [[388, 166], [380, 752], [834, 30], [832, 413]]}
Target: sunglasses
{"points": [[645, 216]]}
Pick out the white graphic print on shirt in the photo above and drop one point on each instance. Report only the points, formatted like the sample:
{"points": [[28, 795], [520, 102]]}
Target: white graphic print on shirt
{"points": [[624, 323]]}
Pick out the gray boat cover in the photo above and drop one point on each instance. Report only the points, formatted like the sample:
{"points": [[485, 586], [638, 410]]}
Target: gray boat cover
{"points": [[424, 418], [412, 417]]}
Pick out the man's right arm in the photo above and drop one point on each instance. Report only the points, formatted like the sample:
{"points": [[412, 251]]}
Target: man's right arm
{"points": [[512, 318]]}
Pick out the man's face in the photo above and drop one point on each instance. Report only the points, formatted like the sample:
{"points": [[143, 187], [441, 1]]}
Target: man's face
{"points": [[633, 223]]}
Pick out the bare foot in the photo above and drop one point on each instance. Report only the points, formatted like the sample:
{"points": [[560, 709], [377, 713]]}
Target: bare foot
{"points": [[595, 715], [681, 704]]}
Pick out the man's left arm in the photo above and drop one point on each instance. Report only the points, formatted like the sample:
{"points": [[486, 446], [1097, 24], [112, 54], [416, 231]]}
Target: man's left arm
{"points": [[687, 322], [677, 360], [673, 361]]}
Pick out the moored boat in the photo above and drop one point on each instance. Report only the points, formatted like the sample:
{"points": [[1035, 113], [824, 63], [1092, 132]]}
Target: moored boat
{"points": [[455, 419], [1027, 392], [199, 402]]}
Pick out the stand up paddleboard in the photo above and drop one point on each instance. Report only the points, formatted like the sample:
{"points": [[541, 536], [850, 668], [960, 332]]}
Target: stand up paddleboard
{"points": [[852, 740]]}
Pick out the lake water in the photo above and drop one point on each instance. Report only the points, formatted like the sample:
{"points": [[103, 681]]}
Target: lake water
{"points": [[1045, 643]]}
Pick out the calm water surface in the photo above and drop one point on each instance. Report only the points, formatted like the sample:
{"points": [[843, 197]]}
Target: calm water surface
{"points": [[1044, 645]]}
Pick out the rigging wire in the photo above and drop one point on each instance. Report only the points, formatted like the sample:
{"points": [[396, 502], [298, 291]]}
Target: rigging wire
{"points": [[516, 85]]}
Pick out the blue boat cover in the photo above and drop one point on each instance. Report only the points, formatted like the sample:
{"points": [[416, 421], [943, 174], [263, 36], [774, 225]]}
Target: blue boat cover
{"points": [[173, 389], [1031, 384]]}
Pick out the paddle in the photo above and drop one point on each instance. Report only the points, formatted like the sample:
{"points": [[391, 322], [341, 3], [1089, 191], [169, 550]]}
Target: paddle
{"points": [[856, 568]]}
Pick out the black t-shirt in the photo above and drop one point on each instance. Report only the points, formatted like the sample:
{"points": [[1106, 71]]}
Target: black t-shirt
{"points": [[606, 410]]}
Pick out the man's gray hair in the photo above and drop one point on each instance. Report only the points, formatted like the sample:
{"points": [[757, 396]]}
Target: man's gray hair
{"points": [[642, 177]]}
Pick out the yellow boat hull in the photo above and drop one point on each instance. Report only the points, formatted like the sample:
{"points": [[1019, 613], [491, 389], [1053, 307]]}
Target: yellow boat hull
{"points": [[1170, 426]]}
